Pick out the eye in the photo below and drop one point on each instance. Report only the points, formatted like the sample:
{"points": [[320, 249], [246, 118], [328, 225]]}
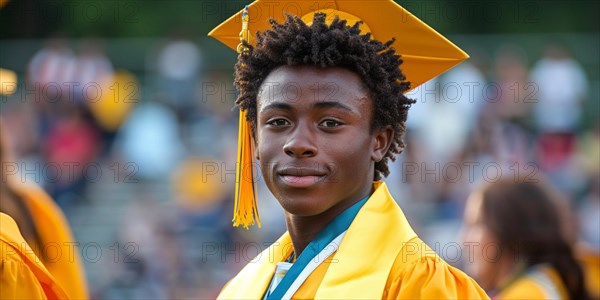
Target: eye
{"points": [[278, 122], [329, 123]]}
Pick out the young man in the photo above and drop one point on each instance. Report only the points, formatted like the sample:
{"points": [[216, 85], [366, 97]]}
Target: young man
{"points": [[322, 102]]}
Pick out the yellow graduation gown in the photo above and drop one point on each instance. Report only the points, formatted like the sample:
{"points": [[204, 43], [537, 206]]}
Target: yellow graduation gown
{"points": [[22, 274], [541, 283], [380, 257], [589, 260], [64, 262]]}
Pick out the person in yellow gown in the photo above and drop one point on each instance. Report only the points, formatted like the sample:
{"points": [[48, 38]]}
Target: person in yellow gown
{"points": [[585, 254], [43, 226], [519, 250], [322, 110], [22, 273]]}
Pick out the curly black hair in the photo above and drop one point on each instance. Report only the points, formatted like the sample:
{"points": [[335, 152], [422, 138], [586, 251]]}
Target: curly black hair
{"points": [[336, 45]]}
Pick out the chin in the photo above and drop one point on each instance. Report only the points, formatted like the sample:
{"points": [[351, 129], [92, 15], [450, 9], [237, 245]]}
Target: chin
{"points": [[304, 211], [303, 206]]}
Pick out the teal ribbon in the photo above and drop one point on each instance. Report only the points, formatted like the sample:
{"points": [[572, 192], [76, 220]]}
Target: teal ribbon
{"points": [[323, 238]]}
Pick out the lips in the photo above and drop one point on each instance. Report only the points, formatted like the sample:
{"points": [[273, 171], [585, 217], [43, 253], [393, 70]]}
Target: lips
{"points": [[301, 177]]}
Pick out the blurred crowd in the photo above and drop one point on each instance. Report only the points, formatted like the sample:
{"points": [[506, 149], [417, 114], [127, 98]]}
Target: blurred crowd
{"points": [[143, 163]]}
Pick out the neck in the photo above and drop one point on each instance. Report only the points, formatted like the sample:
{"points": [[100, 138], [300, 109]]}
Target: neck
{"points": [[304, 229], [506, 272]]}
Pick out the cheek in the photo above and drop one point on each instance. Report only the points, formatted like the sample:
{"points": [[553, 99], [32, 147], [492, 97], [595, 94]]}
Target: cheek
{"points": [[265, 152], [351, 157], [267, 145], [476, 262], [490, 250]]}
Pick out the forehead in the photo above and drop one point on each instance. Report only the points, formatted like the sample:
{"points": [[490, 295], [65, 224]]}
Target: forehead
{"points": [[306, 85]]}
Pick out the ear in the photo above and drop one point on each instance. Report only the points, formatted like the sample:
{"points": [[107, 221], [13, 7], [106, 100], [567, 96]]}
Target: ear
{"points": [[382, 139]]}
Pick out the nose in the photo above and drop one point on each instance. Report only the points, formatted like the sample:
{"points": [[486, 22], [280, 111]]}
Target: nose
{"points": [[300, 143]]}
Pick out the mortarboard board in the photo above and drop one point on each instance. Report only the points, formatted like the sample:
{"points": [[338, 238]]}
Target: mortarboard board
{"points": [[425, 54]]}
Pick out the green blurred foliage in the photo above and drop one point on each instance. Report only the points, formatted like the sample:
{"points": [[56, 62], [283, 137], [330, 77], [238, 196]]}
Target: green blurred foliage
{"points": [[155, 18], [134, 26]]}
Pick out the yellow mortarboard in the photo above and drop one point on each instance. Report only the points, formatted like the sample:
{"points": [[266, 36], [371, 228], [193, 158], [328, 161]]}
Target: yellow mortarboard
{"points": [[8, 82], [425, 54]]}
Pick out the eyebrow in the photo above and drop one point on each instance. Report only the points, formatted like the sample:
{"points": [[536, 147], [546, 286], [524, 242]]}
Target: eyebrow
{"points": [[332, 104], [276, 105], [321, 105]]}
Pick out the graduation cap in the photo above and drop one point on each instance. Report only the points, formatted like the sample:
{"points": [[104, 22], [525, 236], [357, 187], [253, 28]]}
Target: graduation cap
{"points": [[425, 54]]}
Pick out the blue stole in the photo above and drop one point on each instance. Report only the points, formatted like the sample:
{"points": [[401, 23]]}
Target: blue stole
{"points": [[328, 234]]}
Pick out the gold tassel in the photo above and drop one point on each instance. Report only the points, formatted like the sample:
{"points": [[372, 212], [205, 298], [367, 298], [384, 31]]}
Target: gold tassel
{"points": [[245, 33], [245, 210]]}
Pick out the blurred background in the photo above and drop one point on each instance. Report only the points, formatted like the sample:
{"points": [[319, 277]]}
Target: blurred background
{"points": [[122, 112]]}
